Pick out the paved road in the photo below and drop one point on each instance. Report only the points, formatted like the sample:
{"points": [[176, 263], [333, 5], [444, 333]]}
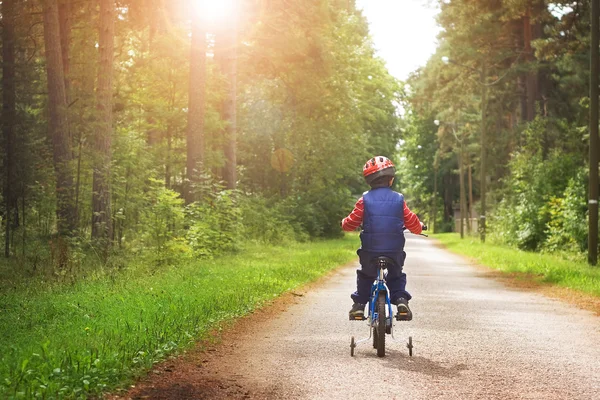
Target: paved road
{"points": [[474, 339]]}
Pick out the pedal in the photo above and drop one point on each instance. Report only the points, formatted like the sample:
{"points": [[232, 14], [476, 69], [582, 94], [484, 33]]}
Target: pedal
{"points": [[403, 317], [358, 318]]}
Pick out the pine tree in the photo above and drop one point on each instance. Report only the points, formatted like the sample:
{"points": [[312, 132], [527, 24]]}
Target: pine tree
{"points": [[196, 107], [8, 114], [101, 219], [58, 120]]}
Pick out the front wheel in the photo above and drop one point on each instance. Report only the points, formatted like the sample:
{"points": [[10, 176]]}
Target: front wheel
{"points": [[352, 346], [374, 338], [380, 326]]}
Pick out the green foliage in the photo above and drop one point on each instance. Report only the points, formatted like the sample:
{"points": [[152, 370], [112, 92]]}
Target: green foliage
{"points": [[517, 70], [309, 84], [82, 340], [567, 228], [270, 222], [318, 91], [539, 205], [162, 219], [214, 224]]}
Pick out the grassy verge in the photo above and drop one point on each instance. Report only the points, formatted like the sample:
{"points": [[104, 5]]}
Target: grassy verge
{"points": [[560, 270], [90, 337]]}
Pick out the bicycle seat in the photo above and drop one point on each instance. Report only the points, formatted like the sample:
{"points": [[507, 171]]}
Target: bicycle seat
{"points": [[383, 262]]}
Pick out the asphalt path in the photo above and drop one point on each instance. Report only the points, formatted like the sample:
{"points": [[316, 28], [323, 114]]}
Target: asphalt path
{"points": [[473, 338]]}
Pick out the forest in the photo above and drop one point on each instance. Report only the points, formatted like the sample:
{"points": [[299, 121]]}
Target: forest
{"points": [[170, 129], [168, 166], [181, 129], [496, 123]]}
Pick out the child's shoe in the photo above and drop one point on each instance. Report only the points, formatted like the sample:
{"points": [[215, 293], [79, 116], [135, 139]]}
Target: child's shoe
{"points": [[404, 313], [357, 312]]}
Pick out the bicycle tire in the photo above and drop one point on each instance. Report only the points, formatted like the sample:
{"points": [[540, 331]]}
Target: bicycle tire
{"points": [[374, 337], [380, 327]]}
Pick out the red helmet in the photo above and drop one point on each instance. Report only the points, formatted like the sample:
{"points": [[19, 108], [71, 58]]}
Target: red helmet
{"points": [[377, 167]]}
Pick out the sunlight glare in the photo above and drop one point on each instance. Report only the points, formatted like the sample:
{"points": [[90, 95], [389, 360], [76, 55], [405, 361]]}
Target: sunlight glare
{"points": [[213, 10]]}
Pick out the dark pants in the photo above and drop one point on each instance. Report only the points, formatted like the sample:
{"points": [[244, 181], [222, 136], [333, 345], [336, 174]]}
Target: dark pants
{"points": [[395, 278]]}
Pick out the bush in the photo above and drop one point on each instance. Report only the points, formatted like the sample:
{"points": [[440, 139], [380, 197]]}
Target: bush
{"points": [[522, 217], [567, 228], [162, 222], [269, 221], [214, 223], [543, 204]]}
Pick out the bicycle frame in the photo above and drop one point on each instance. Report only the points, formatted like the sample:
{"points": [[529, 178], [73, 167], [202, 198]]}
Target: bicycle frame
{"points": [[379, 285]]}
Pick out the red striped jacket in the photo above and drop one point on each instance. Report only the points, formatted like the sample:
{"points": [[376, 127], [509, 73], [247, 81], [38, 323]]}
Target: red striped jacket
{"points": [[353, 221]]}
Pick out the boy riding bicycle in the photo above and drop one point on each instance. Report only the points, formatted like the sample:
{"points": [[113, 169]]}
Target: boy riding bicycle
{"points": [[384, 215]]}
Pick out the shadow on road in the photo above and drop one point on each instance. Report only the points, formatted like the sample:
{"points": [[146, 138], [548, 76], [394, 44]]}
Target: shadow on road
{"points": [[175, 391], [191, 389], [398, 360]]}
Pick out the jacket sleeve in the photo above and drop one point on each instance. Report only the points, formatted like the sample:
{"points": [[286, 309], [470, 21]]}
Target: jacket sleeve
{"points": [[355, 218], [411, 221]]}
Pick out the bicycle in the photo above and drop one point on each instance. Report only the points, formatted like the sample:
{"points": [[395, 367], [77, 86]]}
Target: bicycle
{"points": [[380, 313]]}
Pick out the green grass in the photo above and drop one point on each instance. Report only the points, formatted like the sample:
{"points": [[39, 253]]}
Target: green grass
{"points": [[77, 341], [565, 270]]}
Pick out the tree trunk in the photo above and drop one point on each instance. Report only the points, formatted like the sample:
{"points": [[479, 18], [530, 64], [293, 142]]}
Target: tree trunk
{"points": [[229, 68], [521, 83], [462, 199], [448, 196], [8, 111], [433, 219], [196, 109], [64, 18], [78, 176], [23, 238], [531, 32], [530, 104], [168, 172], [483, 144], [101, 215], [58, 123], [470, 211]]}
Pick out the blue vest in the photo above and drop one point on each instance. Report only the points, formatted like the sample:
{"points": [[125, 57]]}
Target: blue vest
{"points": [[383, 221]]}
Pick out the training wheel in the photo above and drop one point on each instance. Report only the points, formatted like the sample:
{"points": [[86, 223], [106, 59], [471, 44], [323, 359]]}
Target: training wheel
{"points": [[409, 346], [352, 346]]}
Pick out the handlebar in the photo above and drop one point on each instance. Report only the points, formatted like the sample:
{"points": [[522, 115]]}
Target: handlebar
{"points": [[420, 234]]}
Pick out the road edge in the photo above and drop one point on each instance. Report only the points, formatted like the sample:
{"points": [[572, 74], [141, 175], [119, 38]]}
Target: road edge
{"points": [[528, 282]]}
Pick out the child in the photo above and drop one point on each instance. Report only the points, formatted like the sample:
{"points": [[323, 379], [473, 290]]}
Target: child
{"points": [[384, 215]]}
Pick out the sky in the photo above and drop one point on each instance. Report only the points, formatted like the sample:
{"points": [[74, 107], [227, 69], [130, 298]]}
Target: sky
{"points": [[404, 32]]}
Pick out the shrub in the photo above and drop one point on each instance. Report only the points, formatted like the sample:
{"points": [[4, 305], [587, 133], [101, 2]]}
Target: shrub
{"points": [[523, 215], [567, 227], [162, 221], [270, 221], [214, 223]]}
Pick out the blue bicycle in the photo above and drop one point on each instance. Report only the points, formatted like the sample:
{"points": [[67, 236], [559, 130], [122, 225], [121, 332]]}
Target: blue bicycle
{"points": [[381, 313]]}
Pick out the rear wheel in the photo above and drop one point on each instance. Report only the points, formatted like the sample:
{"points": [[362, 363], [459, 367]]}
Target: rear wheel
{"points": [[352, 346], [380, 325]]}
